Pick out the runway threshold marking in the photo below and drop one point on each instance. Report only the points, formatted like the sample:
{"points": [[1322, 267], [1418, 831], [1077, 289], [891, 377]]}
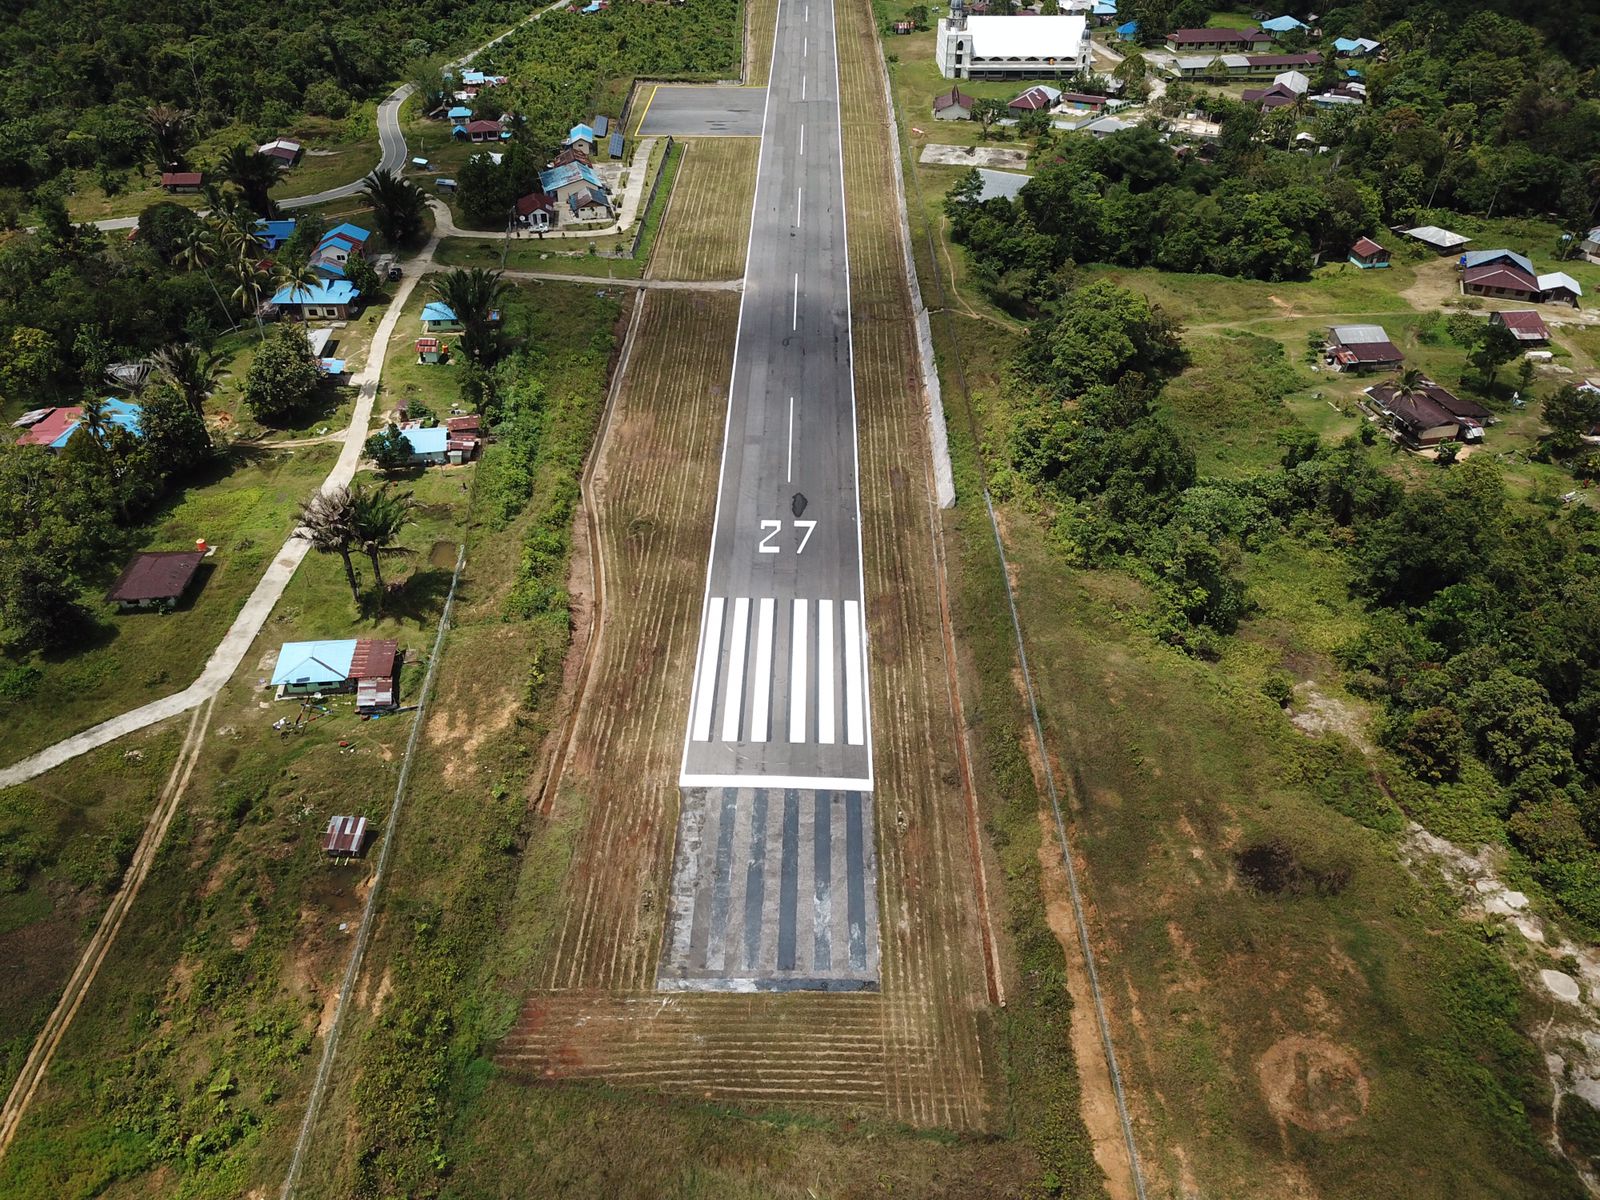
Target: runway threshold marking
{"points": [[825, 726], [797, 673], [761, 707], [736, 653], [706, 681]]}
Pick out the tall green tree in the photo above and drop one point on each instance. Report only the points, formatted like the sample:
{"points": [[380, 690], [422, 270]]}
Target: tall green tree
{"points": [[191, 371], [255, 175], [328, 522], [399, 207], [283, 377], [474, 294], [379, 515]]}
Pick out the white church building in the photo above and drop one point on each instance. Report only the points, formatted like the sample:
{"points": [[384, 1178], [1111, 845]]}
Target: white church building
{"points": [[1019, 47]]}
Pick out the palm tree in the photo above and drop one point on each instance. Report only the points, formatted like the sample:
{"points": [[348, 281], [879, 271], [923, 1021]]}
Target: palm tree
{"points": [[292, 273], [192, 372], [168, 128], [378, 517], [473, 293], [327, 521], [94, 419], [254, 174], [252, 282], [1410, 382], [197, 251], [398, 206]]}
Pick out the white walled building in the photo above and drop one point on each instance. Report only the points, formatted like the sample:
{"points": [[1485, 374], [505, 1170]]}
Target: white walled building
{"points": [[1021, 47]]}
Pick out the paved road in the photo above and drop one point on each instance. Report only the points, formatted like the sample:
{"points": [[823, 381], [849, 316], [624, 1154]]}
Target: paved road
{"points": [[780, 687], [701, 111]]}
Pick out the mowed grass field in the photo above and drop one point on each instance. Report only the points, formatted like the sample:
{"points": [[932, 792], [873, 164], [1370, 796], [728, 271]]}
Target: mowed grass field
{"points": [[707, 225]]}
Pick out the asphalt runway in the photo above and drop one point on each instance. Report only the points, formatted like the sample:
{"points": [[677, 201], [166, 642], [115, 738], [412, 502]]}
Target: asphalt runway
{"points": [[686, 111], [774, 883], [776, 890], [781, 674]]}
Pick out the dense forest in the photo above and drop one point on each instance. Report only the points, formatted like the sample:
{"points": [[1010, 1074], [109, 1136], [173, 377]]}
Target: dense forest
{"points": [[81, 78]]}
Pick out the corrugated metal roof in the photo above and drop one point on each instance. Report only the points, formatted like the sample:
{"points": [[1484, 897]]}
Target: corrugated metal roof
{"points": [[314, 662]]}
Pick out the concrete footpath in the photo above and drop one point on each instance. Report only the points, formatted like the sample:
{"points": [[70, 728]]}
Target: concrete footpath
{"points": [[230, 652]]}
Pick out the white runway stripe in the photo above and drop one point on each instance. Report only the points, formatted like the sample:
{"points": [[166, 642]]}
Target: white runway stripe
{"points": [[797, 674], [762, 700], [825, 698], [705, 675], [854, 709], [734, 705]]}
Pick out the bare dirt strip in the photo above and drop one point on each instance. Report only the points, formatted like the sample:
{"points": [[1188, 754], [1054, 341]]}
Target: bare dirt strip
{"points": [[921, 1050]]}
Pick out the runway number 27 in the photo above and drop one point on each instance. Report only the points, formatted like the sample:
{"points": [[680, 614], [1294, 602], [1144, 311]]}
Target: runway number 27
{"points": [[771, 529]]}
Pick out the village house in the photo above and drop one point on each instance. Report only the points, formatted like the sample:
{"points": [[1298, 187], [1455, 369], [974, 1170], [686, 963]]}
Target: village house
{"points": [[337, 247], [438, 317], [536, 210], [954, 105], [1341, 95], [1012, 47], [428, 446], [285, 151], [1429, 414], [1278, 26], [1360, 348], [1081, 102], [1526, 326], [1286, 89], [1502, 273], [177, 183], [1217, 41], [370, 667], [1104, 127], [464, 438], [155, 579], [1035, 99], [1441, 241], [335, 299], [274, 233], [1590, 246], [589, 204], [1368, 254], [1354, 47], [432, 350], [567, 182], [482, 131], [1557, 287], [458, 114], [53, 428], [582, 136]]}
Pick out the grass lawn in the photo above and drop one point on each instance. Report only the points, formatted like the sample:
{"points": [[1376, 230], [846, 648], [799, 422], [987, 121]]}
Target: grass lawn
{"points": [[245, 509]]}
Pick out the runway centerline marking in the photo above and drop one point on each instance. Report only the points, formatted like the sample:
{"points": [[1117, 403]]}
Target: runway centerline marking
{"points": [[799, 204], [736, 651], [802, 141], [788, 475], [802, 87], [795, 323]]}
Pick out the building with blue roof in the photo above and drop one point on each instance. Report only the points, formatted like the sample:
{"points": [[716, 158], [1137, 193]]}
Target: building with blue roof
{"points": [[460, 113], [428, 445], [273, 234], [1483, 258], [306, 667], [567, 175], [1104, 8], [439, 317], [1128, 30], [61, 423], [1285, 24], [582, 135], [472, 78], [334, 298]]}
